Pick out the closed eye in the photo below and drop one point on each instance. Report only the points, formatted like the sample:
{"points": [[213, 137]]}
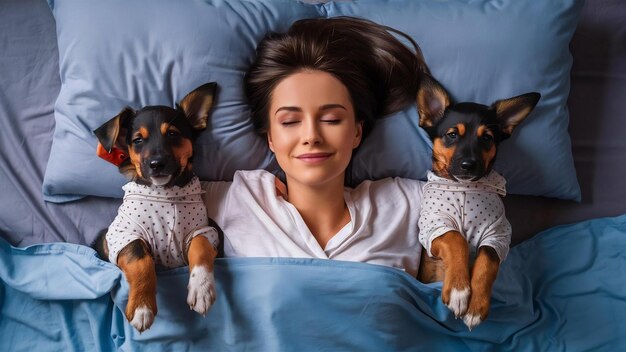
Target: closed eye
{"points": [[289, 123]]}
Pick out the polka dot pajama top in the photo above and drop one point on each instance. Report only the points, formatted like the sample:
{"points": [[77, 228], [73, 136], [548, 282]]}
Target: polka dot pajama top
{"points": [[475, 209], [166, 219]]}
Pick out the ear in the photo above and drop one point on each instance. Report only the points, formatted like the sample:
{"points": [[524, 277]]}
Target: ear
{"points": [[112, 134], [432, 101], [197, 104], [359, 135], [511, 112], [269, 141]]}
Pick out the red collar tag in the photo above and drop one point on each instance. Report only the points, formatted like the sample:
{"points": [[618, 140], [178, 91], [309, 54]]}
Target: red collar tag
{"points": [[116, 156]]}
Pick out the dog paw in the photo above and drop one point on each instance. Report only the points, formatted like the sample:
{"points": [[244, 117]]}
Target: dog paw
{"points": [[201, 289], [143, 318], [458, 301], [472, 320], [478, 309]]}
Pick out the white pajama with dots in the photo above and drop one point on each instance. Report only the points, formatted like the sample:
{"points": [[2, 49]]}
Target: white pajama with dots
{"points": [[474, 209], [166, 219]]}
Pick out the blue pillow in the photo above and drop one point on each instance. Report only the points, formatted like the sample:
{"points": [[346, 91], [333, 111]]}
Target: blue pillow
{"points": [[147, 52], [482, 51], [116, 53]]}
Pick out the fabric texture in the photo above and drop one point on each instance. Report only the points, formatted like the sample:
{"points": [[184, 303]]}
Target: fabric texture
{"points": [[480, 50], [474, 209], [382, 229], [166, 219], [556, 292]]}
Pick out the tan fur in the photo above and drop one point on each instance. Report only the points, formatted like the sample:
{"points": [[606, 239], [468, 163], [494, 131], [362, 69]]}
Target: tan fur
{"points": [[484, 274], [453, 250], [460, 129], [201, 252], [431, 269], [441, 158], [490, 154], [135, 160], [183, 153], [141, 277]]}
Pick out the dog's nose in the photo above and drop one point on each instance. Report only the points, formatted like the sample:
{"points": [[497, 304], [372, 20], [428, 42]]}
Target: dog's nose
{"points": [[468, 165], [157, 165]]}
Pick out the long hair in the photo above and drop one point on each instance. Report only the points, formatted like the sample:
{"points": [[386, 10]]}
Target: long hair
{"points": [[380, 72]]}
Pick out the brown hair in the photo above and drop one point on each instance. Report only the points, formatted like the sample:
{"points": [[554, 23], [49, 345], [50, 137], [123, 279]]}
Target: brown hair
{"points": [[379, 71]]}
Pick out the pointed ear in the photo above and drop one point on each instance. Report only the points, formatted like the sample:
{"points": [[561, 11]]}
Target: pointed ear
{"points": [[112, 134], [197, 104], [511, 112], [432, 101]]}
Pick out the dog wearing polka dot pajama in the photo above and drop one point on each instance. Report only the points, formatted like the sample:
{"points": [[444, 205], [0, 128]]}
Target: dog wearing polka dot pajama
{"points": [[463, 228], [162, 219]]}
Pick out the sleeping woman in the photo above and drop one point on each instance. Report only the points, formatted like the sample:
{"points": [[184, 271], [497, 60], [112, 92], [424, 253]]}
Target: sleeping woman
{"points": [[315, 92]]}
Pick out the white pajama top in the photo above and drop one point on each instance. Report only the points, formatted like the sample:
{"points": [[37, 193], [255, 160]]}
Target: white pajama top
{"points": [[475, 209], [258, 222], [166, 219]]}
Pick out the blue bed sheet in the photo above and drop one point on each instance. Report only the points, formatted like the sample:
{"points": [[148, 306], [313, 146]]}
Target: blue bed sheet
{"points": [[563, 290]]}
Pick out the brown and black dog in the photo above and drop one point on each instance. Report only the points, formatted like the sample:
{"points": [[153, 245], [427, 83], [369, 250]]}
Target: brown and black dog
{"points": [[462, 214], [162, 219]]}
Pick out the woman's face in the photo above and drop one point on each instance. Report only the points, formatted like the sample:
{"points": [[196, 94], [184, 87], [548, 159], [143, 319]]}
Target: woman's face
{"points": [[312, 128]]}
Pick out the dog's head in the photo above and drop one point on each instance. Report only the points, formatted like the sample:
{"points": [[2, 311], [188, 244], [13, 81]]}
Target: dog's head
{"points": [[154, 145], [466, 135]]}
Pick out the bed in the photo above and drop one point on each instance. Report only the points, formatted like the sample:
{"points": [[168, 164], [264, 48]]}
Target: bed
{"points": [[65, 66]]}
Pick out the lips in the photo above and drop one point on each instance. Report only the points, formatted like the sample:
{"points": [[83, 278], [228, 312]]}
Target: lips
{"points": [[313, 158]]}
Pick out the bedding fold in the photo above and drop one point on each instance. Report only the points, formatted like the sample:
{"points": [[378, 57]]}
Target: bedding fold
{"points": [[561, 290]]}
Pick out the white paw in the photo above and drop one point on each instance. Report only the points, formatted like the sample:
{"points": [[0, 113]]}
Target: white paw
{"points": [[458, 301], [142, 319], [201, 289], [472, 320]]}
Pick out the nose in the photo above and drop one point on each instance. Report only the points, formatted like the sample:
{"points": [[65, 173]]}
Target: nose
{"points": [[468, 165], [157, 164], [311, 133]]}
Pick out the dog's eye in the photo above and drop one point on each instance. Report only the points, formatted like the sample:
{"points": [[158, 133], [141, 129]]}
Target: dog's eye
{"points": [[452, 135], [172, 133], [137, 141], [486, 137]]}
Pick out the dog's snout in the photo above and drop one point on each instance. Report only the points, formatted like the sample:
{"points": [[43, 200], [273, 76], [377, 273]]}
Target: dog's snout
{"points": [[468, 165], [157, 165]]}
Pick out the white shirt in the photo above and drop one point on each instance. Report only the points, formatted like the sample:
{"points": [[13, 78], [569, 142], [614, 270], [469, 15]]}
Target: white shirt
{"points": [[258, 222], [166, 219], [475, 209]]}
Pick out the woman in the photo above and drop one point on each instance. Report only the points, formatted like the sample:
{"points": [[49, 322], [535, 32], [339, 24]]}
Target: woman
{"points": [[314, 92]]}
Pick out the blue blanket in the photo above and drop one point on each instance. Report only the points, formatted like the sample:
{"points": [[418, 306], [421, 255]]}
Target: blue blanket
{"points": [[563, 290]]}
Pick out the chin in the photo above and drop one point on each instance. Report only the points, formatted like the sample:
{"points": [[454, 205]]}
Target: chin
{"points": [[316, 179]]}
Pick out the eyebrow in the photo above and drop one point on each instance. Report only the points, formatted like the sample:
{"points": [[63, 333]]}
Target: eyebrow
{"points": [[322, 108]]}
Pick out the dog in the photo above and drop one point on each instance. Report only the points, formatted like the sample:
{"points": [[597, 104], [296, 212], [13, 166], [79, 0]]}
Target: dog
{"points": [[162, 219], [462, 217]]}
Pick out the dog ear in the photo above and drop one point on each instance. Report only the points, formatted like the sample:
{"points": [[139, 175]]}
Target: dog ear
{"points": [[432, 101], [112, 134], [197, 104], [511, 112]]}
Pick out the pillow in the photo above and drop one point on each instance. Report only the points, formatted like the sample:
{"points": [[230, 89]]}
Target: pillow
{"points": [[482, 51], [116, 53], [146, 52]]}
